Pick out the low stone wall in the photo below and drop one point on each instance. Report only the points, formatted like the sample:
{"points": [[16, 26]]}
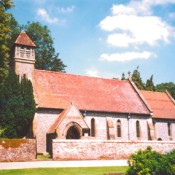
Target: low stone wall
{"points": [[95, 150], [13, 150]]}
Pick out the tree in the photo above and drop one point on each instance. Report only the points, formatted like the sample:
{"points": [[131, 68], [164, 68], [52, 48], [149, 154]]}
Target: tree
{"points": [[5, 32], [136, 78], [150, 84], [170, 87], [149, 162], [17, 106], [46, 56], [123, 76]]}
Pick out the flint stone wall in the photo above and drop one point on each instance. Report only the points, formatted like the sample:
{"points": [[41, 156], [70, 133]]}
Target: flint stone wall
{"points": [[14, 150], [98, 149]]}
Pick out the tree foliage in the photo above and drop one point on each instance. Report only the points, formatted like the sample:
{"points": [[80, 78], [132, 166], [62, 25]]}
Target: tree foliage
{"points": [[150, 84], [162, 87], [46, 56], [149, 162], [5, 31], [170, 87], [17, 106], [136, 78]]}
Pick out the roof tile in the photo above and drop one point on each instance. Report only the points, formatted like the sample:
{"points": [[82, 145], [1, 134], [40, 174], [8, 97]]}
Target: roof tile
{"points": [[161, 104], [58, 90], [23, 39]]}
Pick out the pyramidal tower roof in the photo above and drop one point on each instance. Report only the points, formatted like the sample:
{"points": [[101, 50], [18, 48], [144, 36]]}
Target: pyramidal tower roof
{"points": [[23, 39]]}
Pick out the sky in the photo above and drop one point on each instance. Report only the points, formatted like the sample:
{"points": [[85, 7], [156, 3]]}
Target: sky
{"points": [[105, 38]]}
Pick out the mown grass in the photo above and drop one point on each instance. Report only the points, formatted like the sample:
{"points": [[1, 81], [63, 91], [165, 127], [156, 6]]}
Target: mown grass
{"points": [[66, 171]]}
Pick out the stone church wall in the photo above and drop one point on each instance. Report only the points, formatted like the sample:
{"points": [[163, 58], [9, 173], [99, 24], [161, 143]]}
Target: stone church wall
{"points": [[98, 149], [43, 120], [128, 127], [161, 127]]}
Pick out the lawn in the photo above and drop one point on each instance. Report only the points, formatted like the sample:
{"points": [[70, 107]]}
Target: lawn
{"points": [[65, 171]]}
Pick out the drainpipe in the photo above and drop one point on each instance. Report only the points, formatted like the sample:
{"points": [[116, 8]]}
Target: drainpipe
{"points": [[128, 126]]}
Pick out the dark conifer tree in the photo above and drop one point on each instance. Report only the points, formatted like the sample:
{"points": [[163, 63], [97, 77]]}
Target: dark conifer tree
{"points": [[150, 84], [123, 76], [136, 78], [17, 107]]}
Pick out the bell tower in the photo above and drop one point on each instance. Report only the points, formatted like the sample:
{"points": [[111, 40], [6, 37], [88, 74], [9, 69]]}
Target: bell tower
{"points": [[23, 56]]}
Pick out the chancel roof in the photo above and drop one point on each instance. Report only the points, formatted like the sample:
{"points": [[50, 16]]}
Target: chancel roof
{"points": [[161, 103], [58, 90]]}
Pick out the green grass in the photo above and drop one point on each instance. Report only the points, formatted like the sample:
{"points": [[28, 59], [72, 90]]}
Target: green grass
{"points": [[66, 171]]}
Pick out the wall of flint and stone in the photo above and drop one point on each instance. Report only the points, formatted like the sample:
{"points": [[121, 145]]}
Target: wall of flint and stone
{"points": [[98, 149], [13, 150], [43, 120]]}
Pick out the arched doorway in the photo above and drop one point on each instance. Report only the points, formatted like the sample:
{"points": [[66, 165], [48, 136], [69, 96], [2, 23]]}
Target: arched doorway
{"points": [[73, 133]]}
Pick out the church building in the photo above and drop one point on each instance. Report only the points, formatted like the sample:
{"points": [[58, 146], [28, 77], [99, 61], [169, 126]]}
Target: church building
{"points": [[81, 107]]}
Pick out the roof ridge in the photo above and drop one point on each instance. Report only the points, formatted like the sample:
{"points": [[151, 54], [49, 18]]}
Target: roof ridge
{"points": [[102, 78], [170, 97], [140, 96]]}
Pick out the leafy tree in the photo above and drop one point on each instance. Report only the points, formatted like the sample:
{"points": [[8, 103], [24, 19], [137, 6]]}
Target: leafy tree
{"points": [[17, 106], [170, 87], [16, 29], [136, 78], [150, 84], [149, 162], [46, 56], [5, 31]]}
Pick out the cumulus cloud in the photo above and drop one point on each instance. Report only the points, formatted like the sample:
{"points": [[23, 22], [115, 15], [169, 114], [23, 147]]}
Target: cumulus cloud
{"points": [[127, 56], [134, 25], [43, 15]]}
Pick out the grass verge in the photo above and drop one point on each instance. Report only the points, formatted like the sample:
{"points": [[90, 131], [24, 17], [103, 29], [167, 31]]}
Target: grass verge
{"points": [[66, 171]]}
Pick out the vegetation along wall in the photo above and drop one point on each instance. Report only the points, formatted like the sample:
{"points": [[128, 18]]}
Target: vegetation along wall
{"points": [[13, 150], [95, 150]]}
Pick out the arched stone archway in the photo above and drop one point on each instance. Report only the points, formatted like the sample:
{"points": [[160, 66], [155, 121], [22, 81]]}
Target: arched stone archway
{"points": [[73, 133]]}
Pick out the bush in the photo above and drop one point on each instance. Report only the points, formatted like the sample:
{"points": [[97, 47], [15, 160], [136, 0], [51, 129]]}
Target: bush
{"points": [[149, 162]]}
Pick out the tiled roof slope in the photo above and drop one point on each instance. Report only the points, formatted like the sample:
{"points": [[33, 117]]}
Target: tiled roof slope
{"points": [[161, 104], [23, 39], [58, 90]]}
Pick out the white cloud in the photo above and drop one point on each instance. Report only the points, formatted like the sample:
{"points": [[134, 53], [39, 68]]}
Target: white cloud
{"points": [[69, 9], [132, 29], [42, 13], [133, 25], [92, 72], [127, 56]]}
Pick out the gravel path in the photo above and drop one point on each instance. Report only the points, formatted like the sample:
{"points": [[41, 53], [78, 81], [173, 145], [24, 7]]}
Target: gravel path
{"points": [[57, 164]]}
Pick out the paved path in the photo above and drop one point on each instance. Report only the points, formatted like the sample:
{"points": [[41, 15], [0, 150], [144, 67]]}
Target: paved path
{"points": [[58, 164]]}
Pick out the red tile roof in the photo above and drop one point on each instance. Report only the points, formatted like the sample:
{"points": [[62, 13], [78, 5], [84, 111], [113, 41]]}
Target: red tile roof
{"points": [[161, 103], [23, 39], [58, 90]]}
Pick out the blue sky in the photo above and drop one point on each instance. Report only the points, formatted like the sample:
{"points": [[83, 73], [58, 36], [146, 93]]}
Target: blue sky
{"points": [[105, 38]]}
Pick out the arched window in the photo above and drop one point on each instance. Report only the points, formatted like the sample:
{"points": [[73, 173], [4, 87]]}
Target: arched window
{"points": [[93, 127], [119, 133], [169, 130], [138, 128]]}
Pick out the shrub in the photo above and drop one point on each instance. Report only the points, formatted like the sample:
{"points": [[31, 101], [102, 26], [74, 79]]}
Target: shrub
{"points": [[149, 162]]}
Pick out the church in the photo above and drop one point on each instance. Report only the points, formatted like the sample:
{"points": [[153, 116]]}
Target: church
{"points": [[87, 108]]}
